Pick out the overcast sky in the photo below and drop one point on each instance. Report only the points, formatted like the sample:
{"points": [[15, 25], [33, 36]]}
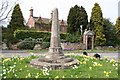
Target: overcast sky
{"points": [[43, 8]]}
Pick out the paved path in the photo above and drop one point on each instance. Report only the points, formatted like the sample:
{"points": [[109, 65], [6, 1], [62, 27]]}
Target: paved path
{"points": [[24, 53]]}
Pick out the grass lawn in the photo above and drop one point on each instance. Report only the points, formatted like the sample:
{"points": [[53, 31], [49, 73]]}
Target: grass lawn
{"points": [[75, 51], [89, 67], [0, 67]]}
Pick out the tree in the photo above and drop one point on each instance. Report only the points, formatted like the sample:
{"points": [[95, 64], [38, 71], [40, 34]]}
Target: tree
{"points": [[117, 28], [5, 9], [96, 21], [77, 16], [73, 19], [83, 18], [17, 20], [109, 32]]}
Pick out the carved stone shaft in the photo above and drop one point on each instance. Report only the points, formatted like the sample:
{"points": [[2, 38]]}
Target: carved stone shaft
{"points": [[55, 34]]}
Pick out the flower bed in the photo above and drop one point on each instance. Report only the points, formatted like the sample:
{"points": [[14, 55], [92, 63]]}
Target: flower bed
{"points": [[19, 67]]}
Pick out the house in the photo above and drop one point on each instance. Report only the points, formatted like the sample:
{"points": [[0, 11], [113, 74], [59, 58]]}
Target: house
{"points": [[44, 24]]}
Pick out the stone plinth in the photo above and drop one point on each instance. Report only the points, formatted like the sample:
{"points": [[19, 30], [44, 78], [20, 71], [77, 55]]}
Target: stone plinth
{"points": [[55, 58], [59, 63]]}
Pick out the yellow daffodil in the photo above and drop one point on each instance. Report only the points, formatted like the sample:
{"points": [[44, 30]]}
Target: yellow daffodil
{"points": [[14, 62], [112, 60], [84, 62], [2, 56], [70, 63], [80, 62], [107, 73], [21, 58], [57, 77], [5, 60]]}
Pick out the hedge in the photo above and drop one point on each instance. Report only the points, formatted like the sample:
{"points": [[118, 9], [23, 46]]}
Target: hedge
{"points": [[22, 34]]}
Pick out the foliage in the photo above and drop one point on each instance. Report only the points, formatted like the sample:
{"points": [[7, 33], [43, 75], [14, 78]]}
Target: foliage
{"points": [[77, 16], [117, 28], [22, 34], [8, 37], [97, 22], [73, 37], [83, 18], [19, 67], [109, 32], [45, 45], [27, 43], [17, 20]]}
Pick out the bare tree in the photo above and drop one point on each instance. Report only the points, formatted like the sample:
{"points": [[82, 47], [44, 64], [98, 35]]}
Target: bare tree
{"points": [[5, 9]]}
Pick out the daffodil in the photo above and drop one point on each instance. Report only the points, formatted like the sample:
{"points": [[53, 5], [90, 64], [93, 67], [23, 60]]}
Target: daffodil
{"points": [[70, 63], [31, 53], [5, 60], [29, 75], [90, 68], [84, 62], [112, 60], [63, 76], [80, 62], [37, 76], [57, 77], [107, 73], [14, 62], [21, 58], [2, 56]]}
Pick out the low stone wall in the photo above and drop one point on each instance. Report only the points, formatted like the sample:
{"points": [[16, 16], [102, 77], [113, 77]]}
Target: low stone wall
{"points": [[73, 46]]}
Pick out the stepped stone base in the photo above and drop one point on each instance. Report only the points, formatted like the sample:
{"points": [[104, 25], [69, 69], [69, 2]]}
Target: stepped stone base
{"points": [[58, 62]]}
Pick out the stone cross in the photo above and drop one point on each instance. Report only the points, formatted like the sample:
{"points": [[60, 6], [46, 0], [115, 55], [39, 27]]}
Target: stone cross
{"points": [[55, 58], [55, 46]]}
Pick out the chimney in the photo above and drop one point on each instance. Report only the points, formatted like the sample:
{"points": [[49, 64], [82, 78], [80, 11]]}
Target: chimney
{"points": [[51, 15], [31, 12]]}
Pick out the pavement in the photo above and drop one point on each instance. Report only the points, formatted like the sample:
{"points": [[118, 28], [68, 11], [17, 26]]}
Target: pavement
{"points": [[24, 53]]}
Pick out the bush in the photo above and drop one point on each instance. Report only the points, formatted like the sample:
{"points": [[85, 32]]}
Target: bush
{"points": [[27, 43], [73, 38], [45, 45], [22, 34]]}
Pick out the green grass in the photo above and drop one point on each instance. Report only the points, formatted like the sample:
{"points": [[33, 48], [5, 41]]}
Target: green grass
{"points": [[74, 51], [89, 68], [119, 69], [0, 67]]}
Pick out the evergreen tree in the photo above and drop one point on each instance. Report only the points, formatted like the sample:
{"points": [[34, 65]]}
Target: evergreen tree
{"points": [[83, 18], [17, 20], [77, 16], [97, 23], [117, 28], [73, 19], [109, 32]]}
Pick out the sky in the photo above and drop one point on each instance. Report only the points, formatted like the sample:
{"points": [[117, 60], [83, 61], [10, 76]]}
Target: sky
{"points": [[43, 8]]}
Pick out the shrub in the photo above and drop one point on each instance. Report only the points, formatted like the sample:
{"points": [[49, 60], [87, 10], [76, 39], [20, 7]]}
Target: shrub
{"points": [[45, 45], [22, 34], [27, 43]]}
